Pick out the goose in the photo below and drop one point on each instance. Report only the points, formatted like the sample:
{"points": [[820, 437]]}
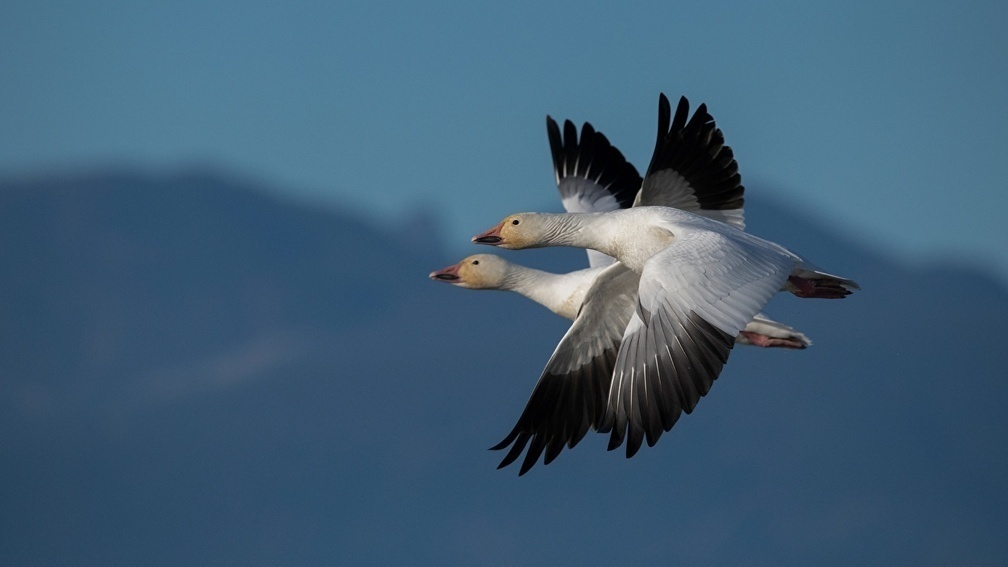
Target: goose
{"points": [[664, 317], [564, 293]]}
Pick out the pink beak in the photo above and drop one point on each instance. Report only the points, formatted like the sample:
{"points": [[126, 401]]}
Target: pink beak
{"points": [[491, 237], [449, 274]]}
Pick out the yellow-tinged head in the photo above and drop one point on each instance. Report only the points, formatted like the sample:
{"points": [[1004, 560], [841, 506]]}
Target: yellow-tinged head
{"points": [[479, 271], [522, 230]]}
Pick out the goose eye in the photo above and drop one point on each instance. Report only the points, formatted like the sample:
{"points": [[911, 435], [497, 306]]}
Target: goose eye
{"points": [[514, 221], [475, 262]]}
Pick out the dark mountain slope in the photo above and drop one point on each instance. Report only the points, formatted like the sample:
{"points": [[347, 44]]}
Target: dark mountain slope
{"points": [[195, 372]]}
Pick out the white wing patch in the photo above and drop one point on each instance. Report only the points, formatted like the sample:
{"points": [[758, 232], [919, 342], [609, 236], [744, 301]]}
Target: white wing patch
{"points": [[580, 195]]}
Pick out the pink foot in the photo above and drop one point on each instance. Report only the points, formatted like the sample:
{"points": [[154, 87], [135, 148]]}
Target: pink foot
{"points": [[764, 341]]}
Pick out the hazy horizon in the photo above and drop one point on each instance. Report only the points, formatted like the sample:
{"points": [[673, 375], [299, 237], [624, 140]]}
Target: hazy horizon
{"points": [[886, 119]]}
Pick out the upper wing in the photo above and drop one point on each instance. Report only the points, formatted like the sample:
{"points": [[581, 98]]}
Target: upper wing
{"points": [[691, 168], [592, 175], [694, 298], [570, 396]]}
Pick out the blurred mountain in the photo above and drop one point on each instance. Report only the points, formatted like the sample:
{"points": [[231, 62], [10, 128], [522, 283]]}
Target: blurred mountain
{"points": [[194, 371]]}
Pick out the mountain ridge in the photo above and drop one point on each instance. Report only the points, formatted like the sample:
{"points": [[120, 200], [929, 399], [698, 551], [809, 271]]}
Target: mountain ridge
{"points": [[194, 359]]}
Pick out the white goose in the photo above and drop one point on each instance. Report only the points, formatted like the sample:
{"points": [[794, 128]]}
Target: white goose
{"points": [[667, 315], [563, 294]]}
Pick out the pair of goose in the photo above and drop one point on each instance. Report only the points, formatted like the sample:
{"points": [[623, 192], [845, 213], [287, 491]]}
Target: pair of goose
{"points": [[673, 283]]}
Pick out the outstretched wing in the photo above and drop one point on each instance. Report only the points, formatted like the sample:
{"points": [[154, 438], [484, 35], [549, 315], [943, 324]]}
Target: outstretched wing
{"points": [[694, 298], [692, 168], [570, 396], [591, 174]]}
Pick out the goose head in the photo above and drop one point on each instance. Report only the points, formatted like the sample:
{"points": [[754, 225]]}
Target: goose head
{"points": [[522, 230], [479, 271]]}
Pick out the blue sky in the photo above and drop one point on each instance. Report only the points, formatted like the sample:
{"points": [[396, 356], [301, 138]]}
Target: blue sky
{"points": [[887, 119]]}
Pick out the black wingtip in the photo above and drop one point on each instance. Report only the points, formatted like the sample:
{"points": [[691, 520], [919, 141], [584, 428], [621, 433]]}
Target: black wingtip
{"points": [[664, 121], [556, 145], [615, 440], [664, 116], [532, 456], [553, 449], [634, 439], [681, 114], [519, 445]]}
